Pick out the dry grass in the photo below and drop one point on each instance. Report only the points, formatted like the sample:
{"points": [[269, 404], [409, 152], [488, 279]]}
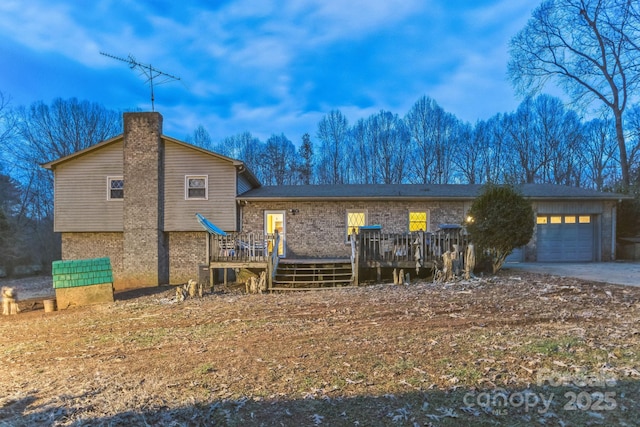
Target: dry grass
{"points": [[499, 351]]}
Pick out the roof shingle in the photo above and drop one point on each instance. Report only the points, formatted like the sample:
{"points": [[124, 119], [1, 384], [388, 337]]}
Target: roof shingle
{"points": [[414, 191]]}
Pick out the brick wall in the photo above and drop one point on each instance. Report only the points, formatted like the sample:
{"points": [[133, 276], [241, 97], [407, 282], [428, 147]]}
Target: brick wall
{"points": [[145, 261], [96, 245], [318, 229], [187, 250]]}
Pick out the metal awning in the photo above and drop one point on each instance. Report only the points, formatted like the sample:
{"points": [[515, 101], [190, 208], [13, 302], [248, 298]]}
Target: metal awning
{"points": [[209, 226]]}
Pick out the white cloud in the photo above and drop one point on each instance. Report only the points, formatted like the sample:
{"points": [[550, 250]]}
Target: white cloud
{"points": [[46, 27], [269, 66]]}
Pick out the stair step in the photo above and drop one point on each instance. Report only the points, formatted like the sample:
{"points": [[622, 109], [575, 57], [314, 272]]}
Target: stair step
{"points": [[309, 282], [313, 273], [308, 268]]}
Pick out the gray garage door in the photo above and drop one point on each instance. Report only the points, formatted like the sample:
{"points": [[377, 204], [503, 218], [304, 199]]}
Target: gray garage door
{"points": [[565, 238]]}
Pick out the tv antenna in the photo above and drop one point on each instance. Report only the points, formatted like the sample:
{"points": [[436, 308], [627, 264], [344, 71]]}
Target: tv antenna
{"points": [[148, 71]]}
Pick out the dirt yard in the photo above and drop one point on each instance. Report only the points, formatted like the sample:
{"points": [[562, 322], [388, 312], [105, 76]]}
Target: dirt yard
{"points": [[510, 350]]}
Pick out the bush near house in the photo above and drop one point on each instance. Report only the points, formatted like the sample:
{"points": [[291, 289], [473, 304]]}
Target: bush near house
{"points": [[500, 220]]}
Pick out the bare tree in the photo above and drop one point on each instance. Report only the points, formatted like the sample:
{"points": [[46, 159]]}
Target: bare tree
{"points": [[280, 155], [598, 153], [633, 143], [365, 164], [493, 136], [523, 144], [432, 133], [590, 48], [200, 138], [7, 125], [390, 139], [247, 148], [558, 135], [544, 138], [333, 133], [469, 150], [11, 245]]}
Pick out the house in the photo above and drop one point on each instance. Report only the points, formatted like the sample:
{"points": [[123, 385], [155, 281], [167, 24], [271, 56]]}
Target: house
{"points": [[572, 224], [134, 199]]}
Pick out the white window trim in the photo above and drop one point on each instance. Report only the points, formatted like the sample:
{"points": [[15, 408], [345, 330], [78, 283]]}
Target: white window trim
{"points": [[186, 187], [346, 219], [113, 178]]}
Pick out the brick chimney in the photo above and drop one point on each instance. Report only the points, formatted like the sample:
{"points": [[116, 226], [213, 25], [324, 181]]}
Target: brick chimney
{"points": [[145, 258]]}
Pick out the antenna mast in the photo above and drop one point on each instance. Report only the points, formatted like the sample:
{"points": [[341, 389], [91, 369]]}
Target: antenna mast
{"points": [[148, 71]]}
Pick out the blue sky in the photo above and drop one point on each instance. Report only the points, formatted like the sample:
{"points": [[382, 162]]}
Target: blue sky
{"points": [[263, 66]]}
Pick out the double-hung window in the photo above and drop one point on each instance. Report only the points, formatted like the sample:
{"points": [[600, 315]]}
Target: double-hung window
{"points": [[196, 187], [115, 188]]}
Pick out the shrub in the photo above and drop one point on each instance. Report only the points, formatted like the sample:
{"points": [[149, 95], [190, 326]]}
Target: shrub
{"points": [[500, 220]]}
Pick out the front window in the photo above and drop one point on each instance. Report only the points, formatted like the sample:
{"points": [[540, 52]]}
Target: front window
{"points": [[196, 187], [115, 188], [355, 220], [418, 221]]}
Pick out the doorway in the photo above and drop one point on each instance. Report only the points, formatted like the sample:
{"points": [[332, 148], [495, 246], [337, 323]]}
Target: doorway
{"points": [[275, 221]]}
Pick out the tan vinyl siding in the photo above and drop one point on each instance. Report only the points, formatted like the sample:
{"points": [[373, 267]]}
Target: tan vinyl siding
{"points": [[243, 185], [81, 192], [580, 207], [220, 206]]}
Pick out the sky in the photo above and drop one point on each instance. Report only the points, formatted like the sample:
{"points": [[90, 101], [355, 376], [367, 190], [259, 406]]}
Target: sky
{"points": [[263, 66]]}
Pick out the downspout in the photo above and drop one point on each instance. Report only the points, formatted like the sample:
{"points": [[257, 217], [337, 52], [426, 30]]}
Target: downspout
{"points": [[613, 231]]}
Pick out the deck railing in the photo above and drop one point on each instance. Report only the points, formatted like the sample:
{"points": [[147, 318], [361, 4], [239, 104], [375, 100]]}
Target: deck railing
{"points": [[375, 245], [242, 247]]}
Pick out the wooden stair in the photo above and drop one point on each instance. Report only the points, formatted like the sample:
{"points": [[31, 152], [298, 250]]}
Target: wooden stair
{"points": [[312, 274]]}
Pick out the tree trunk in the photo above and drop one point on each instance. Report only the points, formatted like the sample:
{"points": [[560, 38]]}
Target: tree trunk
{"points": [[622, 148]]}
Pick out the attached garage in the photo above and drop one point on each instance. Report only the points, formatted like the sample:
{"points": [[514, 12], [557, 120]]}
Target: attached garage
{"points": [[566, 238]]}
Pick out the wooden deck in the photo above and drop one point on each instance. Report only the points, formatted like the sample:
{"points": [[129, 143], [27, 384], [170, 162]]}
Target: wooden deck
{"points": [[371, 250]]}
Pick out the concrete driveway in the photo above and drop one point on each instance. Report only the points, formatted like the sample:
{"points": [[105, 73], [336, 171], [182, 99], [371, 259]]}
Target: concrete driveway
{"points": [[619, 272]]}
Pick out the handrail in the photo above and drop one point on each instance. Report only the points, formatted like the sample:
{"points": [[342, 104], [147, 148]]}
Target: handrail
{"points": [[274, 259], [354, 259], [240, 247], [420, 247]]}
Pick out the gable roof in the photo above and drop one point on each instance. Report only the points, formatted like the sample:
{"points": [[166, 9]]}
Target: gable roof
{"points": [[415, 192], [241, 167]]}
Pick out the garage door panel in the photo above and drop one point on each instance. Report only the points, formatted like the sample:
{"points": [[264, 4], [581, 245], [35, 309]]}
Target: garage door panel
{"points": [[565, 242]]}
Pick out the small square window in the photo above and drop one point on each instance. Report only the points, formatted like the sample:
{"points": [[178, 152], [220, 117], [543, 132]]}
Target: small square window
{"points": [[115, 188], [541, 220], [417, 221], [570, 219], [556, 219], [196, 187], [584, 219]]}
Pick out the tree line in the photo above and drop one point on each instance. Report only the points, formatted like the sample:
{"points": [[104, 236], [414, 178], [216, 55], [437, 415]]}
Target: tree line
{"points": [[541, 142]]}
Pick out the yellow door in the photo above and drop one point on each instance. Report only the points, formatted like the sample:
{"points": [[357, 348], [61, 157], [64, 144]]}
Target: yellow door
{"points": [[275, 221]]}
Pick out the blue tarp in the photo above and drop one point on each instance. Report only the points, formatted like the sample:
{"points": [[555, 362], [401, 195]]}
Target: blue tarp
{"points": [[209, 226]]}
